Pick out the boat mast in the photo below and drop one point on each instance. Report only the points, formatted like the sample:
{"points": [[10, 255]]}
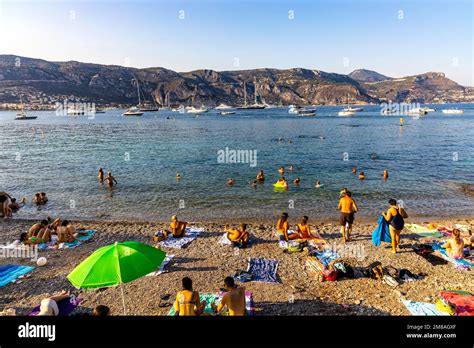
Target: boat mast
{"points": [[138, 92], [245, 94], [255, 86]]}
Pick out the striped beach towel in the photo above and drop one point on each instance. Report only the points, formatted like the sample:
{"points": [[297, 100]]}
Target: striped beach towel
{"points": [[79, 240], [263, 270], [163, 266], [180, 243], [422, 308], [9, 273], [66, 306]]}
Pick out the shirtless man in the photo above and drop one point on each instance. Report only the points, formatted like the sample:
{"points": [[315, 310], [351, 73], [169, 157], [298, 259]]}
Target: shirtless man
{"points": [[5, 200], [66, 232], [110, 180], [233, 300], [177, 228]]}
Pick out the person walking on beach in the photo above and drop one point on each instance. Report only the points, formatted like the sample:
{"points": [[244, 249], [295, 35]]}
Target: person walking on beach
{"points": [[188, 302], [395, 217], [233, 299], [110, 180], [347, 207]]}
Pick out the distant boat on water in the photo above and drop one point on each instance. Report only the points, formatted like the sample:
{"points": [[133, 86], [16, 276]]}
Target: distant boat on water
{"points": [[302, 111], [224, 107], [255, 105], [349, 110], [225, 113], [453, 111], [133, 111], [200, 110], [22, 114], [417, 111]]}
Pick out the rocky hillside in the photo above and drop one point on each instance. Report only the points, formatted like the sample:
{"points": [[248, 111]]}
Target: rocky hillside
{"points": [[40, 81], [363, 75]]}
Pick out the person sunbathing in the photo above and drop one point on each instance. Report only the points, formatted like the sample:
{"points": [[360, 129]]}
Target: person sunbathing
{"points": [[53, 225], [239, 237], [66, 232], [188, 302], [233, 299], [260, 176], [43, 236], [283, 227], [177, 228], [36, 228], [455, 246], [49, 306], [304, 230]]}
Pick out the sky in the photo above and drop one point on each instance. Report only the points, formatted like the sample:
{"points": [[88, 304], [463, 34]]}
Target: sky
{"points": [[394, 37]]}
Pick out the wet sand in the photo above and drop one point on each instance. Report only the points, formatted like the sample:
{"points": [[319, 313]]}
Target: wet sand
{"points": [[207, 263]]}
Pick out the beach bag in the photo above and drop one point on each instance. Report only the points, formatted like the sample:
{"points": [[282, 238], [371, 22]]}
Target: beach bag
{"points": [[295, 247], [343, 270], [397, 221], [375, 270], [329, 275]]}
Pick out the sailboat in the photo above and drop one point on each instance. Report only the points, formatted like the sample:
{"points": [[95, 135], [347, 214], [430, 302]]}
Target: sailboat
{"points": [[167, 102], [135, 111], [22, 114], [194, 110], [255, 105], [348, 111]]}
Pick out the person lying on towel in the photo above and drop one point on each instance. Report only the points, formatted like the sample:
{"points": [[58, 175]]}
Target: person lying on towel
{"points": [[239, 236], [177, 228], [187, 301], [233, 300], [455, 246]]}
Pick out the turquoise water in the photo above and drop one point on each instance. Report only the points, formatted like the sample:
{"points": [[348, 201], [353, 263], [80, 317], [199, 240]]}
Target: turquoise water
{"points": [[60, 155]]}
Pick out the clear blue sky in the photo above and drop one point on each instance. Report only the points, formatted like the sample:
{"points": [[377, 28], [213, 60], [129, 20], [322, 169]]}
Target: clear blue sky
{"points": [[330, 35]]}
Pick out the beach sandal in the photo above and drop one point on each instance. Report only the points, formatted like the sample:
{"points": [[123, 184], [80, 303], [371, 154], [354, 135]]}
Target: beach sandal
{"points": [[165, 297], [164, 305], [390, 281]]}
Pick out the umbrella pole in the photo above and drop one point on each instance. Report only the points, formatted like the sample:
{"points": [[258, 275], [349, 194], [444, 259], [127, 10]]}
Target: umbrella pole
{"points": [[123, 300]]}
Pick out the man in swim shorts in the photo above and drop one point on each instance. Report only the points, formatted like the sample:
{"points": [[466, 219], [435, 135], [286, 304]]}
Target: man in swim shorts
{"points": [[348, 207], [177, 228], [233, 299]]}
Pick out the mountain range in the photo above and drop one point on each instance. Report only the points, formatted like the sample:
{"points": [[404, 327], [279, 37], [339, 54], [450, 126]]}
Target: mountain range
{"points": [[45, 82]]}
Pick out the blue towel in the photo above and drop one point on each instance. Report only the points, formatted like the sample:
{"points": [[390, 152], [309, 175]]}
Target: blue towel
{"points": [[9, 273], [422, 308], [263, 270], [326, 256], [381, 232]]}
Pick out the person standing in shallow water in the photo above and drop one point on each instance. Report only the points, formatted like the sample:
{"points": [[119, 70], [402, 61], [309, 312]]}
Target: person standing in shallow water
{"points": [[110, 180], [395, 217], [100, 175]]}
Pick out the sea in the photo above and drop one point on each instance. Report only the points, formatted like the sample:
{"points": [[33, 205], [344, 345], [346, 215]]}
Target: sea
{"points": [[429, 160]]}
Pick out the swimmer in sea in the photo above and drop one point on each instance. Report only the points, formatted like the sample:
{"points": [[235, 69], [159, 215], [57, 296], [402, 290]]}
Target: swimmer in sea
{"points": [[385, 174], [373, 156], [318, 184], [44, 199], [110, 180], [282, 182], [361, 176], [292, 168], [296, 181], [281, 170], [100, 175], [354, 170], [178, 177], [230, 182], [260, 176]]}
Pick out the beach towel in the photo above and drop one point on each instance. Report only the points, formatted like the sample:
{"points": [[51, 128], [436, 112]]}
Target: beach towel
{"points": [[66, 306], [216, 298], [460, 263], [423, 231], [326, 256], [263, 270], [163, 266], [422, 308], [9, 273], [381, 232], [464, 303], [180, 243], [79, 240]]}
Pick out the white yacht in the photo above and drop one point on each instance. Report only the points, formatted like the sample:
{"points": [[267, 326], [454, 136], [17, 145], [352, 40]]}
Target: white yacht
{"points": [[133, 111], [345, 112], [193, 110], [417, 111], [453, 111], [224, 107]]}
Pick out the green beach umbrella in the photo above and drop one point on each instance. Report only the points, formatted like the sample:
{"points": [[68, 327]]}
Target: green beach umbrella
{"points": [[116, 264]]}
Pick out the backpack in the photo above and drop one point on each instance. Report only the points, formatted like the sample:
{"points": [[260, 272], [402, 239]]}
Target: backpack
{"points": [[375, 270]]}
